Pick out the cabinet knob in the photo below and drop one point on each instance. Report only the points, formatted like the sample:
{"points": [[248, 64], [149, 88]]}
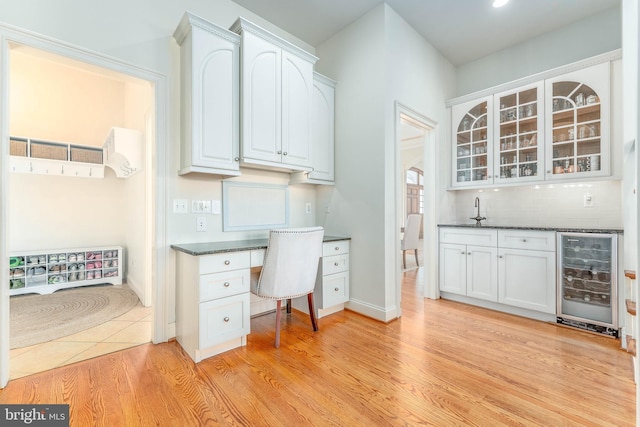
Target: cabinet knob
{"points": [[226, 284], [237, 159], [336, 264], [284, 154], [226, 319], [462, 253], [500, 256], [524, 240], [468, 253], [548, 171], [279, 152], [336, 289], [337, 248], [227, 262]]}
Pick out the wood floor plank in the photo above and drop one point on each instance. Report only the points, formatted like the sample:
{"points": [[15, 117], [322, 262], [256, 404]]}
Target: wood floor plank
{"points": [[442, 363]]}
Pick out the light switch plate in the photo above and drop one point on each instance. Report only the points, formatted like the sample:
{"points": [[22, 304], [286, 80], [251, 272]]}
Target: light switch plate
{"points": [[216, 207], [180, 205], [588, 200]]}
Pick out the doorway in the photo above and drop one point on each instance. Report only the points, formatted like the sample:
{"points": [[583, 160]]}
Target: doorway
{"points": [[416, 147], [146, 94]]}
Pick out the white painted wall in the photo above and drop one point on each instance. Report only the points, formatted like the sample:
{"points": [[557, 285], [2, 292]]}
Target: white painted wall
{"points": [[589, 37], [377, 61]]}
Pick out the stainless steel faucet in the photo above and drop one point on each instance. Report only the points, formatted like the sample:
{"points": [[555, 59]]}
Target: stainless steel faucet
{"points": [[478, 218]]}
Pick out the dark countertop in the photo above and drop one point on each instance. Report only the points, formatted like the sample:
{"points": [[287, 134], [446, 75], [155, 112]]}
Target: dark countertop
{"points": [[208, 248], [534, 228]]}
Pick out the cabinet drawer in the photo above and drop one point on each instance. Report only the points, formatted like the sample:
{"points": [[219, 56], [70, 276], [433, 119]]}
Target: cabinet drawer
{"points": [[335, 248], [224, 262], [469, 236], [218, 285], [335, 264], [335, 288], [223, 319], [527, 239]]}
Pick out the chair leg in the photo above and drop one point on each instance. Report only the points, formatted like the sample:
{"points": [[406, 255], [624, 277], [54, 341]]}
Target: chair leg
{"points": [[404, 259], [288, 305], [278, 311], [312, 312], [417, 263]]}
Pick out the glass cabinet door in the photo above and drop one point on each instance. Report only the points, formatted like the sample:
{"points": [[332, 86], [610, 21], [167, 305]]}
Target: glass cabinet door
{"points": [[578, 128], [519, 122], [472, 148]]}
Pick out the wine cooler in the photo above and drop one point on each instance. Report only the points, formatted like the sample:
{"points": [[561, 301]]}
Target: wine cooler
{"points": [[587, 282]]}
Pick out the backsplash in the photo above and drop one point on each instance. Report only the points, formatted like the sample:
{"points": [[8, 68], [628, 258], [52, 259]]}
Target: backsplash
{"points": [[551, 205]]}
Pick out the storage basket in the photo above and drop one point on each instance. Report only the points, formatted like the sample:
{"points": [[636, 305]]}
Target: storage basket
{"points": [[86, 155], [48, 150], [18, 148]]}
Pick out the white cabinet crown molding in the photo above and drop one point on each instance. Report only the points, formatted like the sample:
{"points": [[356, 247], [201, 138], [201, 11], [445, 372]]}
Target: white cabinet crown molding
{"points": [[554, 72], [242, 24], [189, 19]]}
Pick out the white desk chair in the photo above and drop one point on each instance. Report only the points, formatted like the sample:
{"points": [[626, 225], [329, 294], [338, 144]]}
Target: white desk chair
{"points": [[411, 238], [289, 269]]}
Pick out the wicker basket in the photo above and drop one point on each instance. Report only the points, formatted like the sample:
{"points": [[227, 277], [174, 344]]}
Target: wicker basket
{"points": [[86, 155], [18, 148], [48, 150]]}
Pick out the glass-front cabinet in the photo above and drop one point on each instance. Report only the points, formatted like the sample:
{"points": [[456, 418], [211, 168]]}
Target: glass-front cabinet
{"points": [[519, 120], [578, 125], [473, 143]]}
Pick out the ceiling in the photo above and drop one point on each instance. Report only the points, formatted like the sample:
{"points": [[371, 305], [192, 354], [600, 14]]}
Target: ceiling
{"points": [[462, 30]]}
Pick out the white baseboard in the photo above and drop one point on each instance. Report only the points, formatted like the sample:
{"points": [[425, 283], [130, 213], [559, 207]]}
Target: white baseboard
{"points": [[379, 313]]}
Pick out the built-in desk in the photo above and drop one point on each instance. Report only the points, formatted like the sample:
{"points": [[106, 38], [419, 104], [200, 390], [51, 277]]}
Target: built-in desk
{"points": [[213, 302]]}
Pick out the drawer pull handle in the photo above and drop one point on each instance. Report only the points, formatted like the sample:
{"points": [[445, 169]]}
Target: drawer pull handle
{"points": [[336, 264], [227, 262], [226, 319], [226, 284], [336, 289]]}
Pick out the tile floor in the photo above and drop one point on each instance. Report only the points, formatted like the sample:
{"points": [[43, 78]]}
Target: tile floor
{"points": [[131, 329]]}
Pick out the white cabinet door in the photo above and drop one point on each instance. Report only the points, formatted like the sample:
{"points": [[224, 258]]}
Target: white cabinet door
{"points": [[210, 62], [335, 290], [472, 145], [297, 90], [578, 123], [261, 99], [527, 279], [519, 136], [453, 268], [482, 280], [322, 128], [224, 319]]}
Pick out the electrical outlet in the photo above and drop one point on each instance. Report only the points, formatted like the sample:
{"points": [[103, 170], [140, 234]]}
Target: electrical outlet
{"points": [[588, 200], [180, 205], [201, 223]]}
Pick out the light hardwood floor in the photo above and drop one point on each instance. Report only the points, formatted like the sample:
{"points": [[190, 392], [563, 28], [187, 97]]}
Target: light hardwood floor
{"points": [[443, 363]]}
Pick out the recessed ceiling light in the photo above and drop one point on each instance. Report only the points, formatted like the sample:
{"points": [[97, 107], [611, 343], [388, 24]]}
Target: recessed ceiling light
{"points": [[499, 3]]}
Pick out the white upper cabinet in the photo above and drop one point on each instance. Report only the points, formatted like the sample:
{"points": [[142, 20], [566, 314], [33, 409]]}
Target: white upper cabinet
{"points": [[209, 86], [554, 128], [472, 142], [322, 134], [277, 88], [519, 148], [578, 131]]}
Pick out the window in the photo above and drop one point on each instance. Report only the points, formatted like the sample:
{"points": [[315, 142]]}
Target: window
{"points": [[415, 191]]}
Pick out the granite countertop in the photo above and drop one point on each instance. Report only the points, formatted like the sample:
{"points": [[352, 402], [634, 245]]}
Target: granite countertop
{"points": [[208, 248], [540, 228]]}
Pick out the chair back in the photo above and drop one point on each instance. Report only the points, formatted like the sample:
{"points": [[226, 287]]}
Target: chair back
{"points": [[411, 237], [290, 263]]}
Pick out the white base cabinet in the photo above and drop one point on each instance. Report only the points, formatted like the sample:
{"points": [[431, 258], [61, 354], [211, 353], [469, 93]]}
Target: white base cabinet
{"points": [[212, 303], [514, 268]]}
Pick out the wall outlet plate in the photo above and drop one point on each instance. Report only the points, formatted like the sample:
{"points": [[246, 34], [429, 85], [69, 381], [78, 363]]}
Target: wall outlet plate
{"points": [[588, 200], [201, 223]]}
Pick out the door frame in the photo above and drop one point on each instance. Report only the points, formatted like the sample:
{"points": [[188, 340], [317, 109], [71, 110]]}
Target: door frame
{"points": [[431, 205], [155, 183]]}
